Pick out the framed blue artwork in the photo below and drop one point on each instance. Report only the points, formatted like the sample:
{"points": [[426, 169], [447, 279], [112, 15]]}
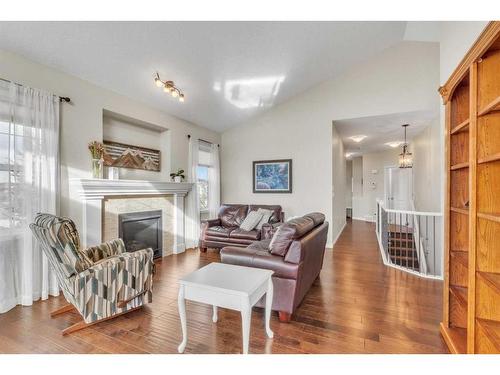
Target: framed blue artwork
{"points": [[272, 176]]}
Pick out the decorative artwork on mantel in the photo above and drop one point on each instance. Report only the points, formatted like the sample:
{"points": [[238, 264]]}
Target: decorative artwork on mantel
{"points": [[127, 156], [272, 176]]}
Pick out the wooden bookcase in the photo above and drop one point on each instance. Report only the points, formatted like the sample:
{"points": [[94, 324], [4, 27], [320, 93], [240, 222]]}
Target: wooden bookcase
{"points": [[471, 305]]}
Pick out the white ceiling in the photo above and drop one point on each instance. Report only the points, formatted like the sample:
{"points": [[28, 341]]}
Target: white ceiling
{"points": [[380, 130], [229, 71]]}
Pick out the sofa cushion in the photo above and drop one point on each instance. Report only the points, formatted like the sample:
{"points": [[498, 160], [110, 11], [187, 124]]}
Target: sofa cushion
{"points": [[317, 217], [232, 215], [257, 255], [282, 239], [302, 225], [262, 245], [265, 217], [219, 231], [253, 218], [288, 232], [276, 215], [240, 233]]}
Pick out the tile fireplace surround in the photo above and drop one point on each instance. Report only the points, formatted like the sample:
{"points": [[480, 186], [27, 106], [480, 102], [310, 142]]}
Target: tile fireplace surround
{"points": [[103, 199]]}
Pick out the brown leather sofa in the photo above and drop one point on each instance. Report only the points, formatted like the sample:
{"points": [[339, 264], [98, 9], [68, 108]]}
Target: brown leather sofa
{"points": [[295, 256], [225, 231]]}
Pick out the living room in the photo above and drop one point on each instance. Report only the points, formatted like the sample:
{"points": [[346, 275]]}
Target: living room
{"points": [[192, 187]]}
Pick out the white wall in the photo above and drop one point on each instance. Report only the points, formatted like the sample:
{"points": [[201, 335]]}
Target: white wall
{"points": [[283, 133], [129, 132], [82, 121], [402, 78], [358, 201], [428, 168], [348, 183], [339, 186], [373, 180]]}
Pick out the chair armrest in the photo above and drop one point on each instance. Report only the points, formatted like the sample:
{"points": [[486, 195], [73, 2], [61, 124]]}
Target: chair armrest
{"points": [[105, 250], [118, 278], [268, 230]]}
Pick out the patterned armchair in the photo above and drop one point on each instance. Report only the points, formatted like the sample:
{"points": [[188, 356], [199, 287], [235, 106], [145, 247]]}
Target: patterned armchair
{"points": [[100, 282]]}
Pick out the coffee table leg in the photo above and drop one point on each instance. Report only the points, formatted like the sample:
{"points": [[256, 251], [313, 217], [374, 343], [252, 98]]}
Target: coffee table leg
{"points": [[214, 315], [182, 313], [246, 316], [269, 305]]}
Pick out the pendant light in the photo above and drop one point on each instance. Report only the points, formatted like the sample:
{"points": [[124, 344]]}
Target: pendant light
{"points": [[405, 157]]}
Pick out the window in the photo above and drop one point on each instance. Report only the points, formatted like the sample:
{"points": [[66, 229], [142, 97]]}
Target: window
{"points": [[202, 180], [202, 173], [11, 173]]}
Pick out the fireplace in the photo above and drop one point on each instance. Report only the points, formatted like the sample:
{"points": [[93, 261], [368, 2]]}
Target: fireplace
{"points": [[141, 230]]}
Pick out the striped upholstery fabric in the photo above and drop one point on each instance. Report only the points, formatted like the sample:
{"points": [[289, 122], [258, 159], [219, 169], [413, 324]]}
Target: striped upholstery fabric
{"points": [[100, 281], [105, 250]]}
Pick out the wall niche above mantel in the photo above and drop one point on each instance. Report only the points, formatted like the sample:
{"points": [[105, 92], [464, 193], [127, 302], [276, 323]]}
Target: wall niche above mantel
{"points": [[129, 131]]}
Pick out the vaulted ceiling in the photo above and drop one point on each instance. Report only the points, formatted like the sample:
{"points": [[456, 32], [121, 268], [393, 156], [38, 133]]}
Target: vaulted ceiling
{"points": [[229, 71]]}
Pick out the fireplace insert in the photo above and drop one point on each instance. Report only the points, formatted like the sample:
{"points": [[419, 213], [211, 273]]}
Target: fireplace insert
{"points": [[140, 230]]}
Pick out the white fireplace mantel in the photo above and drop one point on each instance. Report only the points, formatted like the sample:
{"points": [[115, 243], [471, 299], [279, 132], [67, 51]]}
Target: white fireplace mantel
{"points": [[93, 191]]}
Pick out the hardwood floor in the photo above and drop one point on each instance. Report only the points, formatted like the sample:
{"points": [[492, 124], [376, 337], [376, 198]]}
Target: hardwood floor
{"points": [[356, 306]]}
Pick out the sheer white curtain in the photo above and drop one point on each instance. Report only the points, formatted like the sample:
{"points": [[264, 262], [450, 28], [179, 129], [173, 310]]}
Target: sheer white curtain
{"points": [[214, 182], [29, 181], [192, 218]]}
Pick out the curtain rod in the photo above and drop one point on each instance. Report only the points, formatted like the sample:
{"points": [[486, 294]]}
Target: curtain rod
{"points": [[61, 98], [189, 136]]}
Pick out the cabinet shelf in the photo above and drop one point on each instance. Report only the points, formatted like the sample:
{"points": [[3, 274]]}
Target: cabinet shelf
{"points": [[459, 166], [463, 211], [489, 216], [463, 126], [471, 298], [489, 158], [456, 339], [492, 106]]}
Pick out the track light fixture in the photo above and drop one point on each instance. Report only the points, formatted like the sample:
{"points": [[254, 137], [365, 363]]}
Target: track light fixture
{"points": [[169, 87]]}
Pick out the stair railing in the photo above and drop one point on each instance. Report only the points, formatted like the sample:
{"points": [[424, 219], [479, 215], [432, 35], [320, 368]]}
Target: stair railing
{"points": [[410, 240]]}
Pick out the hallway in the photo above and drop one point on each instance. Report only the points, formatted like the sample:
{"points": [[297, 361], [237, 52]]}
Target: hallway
{"points": [[358, 305]]}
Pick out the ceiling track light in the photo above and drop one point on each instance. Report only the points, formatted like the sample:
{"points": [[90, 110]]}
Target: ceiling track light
{"points": [[169, 87]]}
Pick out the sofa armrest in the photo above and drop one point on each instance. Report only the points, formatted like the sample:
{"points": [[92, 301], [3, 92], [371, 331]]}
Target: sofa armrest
{"points": [[268, 230], [210, 223], [205, 224]]}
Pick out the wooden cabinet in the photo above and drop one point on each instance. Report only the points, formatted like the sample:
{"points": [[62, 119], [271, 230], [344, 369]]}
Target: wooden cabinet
{"points": [[471, 307]]}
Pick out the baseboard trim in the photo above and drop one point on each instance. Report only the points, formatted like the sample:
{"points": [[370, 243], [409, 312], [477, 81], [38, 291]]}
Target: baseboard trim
{"points": [[179, 248], [338, 235], [363, 219]]}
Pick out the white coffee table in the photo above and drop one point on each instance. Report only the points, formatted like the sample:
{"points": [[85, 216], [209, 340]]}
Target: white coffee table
{"points": [[228, 286]]}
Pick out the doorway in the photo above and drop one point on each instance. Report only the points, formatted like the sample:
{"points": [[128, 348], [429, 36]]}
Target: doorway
{"points": [[398, 188]]}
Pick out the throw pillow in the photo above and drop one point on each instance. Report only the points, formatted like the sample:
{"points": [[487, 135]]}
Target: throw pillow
{"points": [[282, 239], [266, 215], [253, 218]]}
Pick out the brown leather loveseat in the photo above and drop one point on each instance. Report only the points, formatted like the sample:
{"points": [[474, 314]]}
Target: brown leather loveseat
{"points": [[225, 230], [295, 255]]}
